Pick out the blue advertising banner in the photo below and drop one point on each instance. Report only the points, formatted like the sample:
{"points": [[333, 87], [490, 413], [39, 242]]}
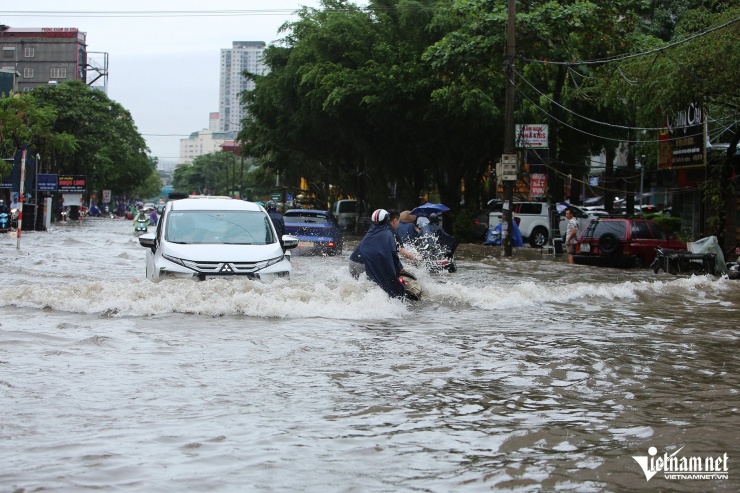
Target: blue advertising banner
{"points": [[47, 182]]}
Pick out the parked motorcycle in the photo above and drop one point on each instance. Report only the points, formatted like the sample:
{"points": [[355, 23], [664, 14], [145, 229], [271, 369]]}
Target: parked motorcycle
{"points": [[704, 256]]}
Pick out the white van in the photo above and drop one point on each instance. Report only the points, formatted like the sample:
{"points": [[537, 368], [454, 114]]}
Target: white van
{"points": [[216, 238], [345, 211]]}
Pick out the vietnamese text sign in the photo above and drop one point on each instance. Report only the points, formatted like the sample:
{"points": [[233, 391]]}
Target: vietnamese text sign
{"points": [[537, 184], [46, 182], [681, 143], [72, 183], [532, 136]]}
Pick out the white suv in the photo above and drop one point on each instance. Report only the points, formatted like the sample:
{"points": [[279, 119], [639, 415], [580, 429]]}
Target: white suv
{"points": [[216, 238], [533, 219]]}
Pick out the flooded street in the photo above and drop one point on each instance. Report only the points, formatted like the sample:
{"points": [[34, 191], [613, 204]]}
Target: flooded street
{"points": [[522, 374]]}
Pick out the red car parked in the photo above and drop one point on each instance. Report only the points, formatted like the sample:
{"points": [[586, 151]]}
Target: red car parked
{"points": [[622, 242]]}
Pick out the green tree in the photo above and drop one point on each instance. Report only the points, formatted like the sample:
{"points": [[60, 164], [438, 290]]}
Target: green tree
{"points": [[402, 94], [207, 174], [110, 150], [151, 187], [348, 102], [22, 122]]}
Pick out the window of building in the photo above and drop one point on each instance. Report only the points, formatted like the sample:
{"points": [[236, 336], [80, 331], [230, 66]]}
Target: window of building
{"points": [[9, 52], [58, 73], [28, 73], [29, 52]]}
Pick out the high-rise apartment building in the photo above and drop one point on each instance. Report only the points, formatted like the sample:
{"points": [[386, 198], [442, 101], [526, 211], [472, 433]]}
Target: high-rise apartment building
{"points": [[243, 56], [43, 55]]}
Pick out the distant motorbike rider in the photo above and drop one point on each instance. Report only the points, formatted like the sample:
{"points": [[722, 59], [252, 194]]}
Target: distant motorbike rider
{"points": [[153, 217], [407, 229], [4, 216], [434, 228], [378, 253], [394, 219], [277, 218]]}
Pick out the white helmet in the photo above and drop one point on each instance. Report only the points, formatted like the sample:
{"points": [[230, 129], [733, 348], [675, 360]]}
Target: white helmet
{"points": [[380, 216]]}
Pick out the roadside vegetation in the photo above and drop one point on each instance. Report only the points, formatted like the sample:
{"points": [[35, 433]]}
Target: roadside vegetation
{"points": [[398, 98], [401, 99], [79, 131]]}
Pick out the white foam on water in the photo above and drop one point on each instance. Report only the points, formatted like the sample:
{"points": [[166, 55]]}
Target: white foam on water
{"points": [[497, 296]]}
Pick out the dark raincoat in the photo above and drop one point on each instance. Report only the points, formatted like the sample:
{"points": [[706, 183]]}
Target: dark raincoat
{"points": [[380, 256], [278, 222], [406, 231]]}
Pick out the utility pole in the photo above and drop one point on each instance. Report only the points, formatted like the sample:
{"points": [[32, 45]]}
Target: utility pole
{"points": [[509, 151]]}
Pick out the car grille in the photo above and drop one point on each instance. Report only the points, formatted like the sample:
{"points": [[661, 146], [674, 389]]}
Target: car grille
{"points": [[222, 268]]}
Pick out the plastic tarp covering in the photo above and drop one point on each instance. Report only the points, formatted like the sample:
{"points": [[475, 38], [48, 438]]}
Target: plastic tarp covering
{"points": [[711, 245], [493, 237]]}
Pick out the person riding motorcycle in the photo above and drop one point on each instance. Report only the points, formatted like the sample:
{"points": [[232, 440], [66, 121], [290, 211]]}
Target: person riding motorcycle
{"points": [[277, 218], [4, 216], [434, 228], [378, 253]]}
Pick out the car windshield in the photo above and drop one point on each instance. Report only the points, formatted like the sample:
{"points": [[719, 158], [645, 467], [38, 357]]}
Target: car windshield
{"points": [[306, 218], [219, 227], [347, 207]]}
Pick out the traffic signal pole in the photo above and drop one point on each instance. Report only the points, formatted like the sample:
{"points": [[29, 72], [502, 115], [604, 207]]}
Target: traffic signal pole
{"points": [[507, 227]]}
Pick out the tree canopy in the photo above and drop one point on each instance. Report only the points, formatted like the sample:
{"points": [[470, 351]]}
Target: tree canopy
{"points": [[77, 131], [401, 95]]}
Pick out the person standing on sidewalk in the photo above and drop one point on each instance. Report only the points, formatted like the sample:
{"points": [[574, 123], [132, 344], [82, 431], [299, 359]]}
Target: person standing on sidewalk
{"points": [[570, 235]]}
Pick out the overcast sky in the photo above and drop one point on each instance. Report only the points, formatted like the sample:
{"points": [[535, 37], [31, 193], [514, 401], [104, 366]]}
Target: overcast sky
{"points": [[163, 63]]}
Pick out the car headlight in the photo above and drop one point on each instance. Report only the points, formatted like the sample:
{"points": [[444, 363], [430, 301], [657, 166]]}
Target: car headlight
{"points": [[174, 260], [267, 263]]}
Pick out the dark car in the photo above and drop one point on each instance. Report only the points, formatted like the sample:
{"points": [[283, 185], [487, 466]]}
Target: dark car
{"points": [[480, 221], [622, 242], [317, 231]]}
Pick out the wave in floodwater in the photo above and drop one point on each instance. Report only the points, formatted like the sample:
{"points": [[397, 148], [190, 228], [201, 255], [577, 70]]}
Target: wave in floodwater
{"points": [[329, 293], [97, 267]]}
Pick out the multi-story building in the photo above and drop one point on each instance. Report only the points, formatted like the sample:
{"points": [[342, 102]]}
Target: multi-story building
{"points": [[43, 55], [203, 142], [213, 120], [243, 56]]}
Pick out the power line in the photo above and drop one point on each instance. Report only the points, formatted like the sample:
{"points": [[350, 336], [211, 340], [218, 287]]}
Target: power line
{"points": [[617, 58], [145, 13], [622, 127], [641, 141]]}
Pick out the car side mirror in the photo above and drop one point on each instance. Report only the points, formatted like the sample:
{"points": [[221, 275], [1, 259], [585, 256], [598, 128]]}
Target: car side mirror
{"points": [[148, 240], [289, 242]]}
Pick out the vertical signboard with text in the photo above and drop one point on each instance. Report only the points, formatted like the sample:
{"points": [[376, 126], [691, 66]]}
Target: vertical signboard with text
{"points": [[534, 139], [681, 143]]}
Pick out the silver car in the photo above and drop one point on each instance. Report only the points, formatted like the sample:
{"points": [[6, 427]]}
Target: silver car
{"points": [[216, 238]]}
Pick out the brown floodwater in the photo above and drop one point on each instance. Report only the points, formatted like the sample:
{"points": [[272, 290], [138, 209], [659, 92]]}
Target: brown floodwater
{"points": [[512, 374]]}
